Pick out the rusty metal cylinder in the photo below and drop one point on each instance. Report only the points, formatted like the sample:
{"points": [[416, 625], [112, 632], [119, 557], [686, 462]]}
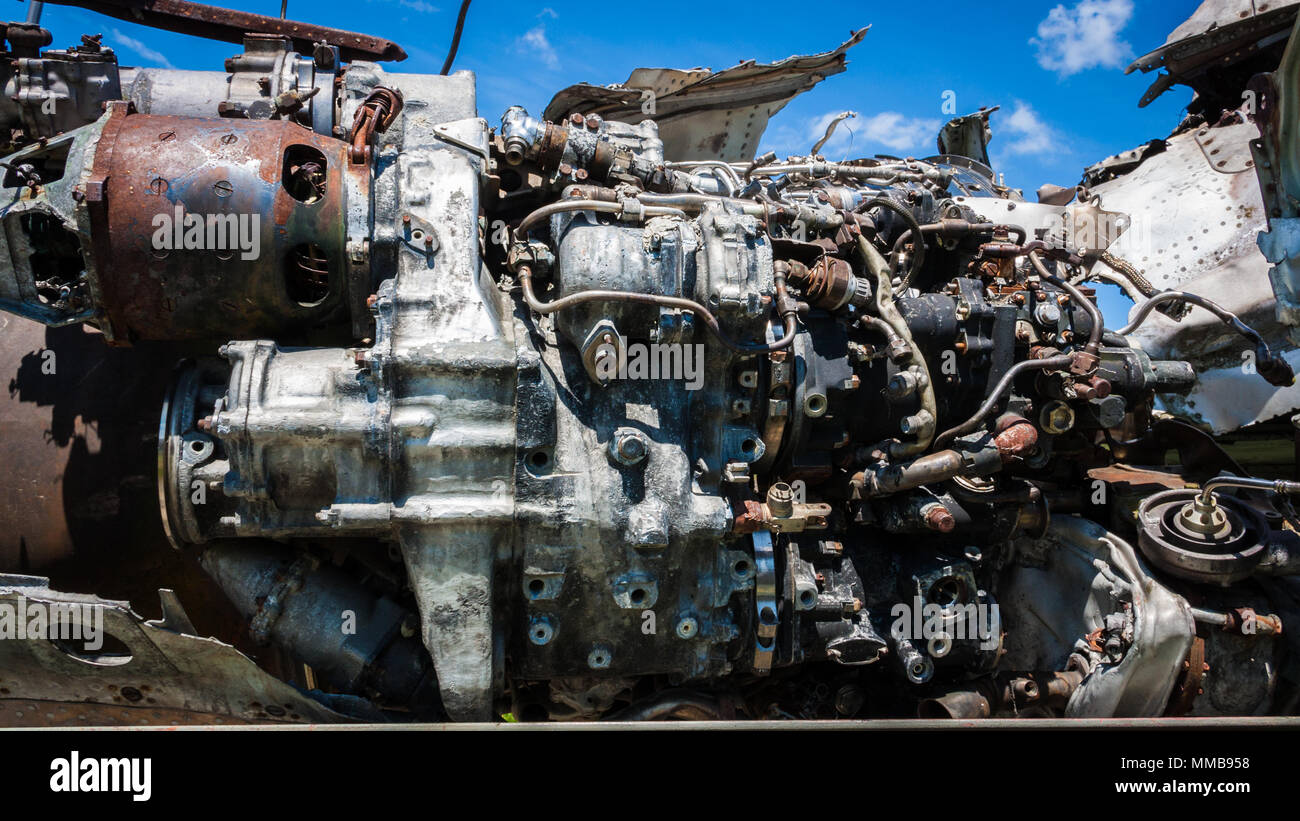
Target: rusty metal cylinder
{"points": [[219, 228]]}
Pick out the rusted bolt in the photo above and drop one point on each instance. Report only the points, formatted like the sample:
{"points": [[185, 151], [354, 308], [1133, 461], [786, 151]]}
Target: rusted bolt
{"points": [[158, 185], [166, 136], [940, 519], [227, 139], [577, 119], [371, 300], [223, 188], [406, 219]]}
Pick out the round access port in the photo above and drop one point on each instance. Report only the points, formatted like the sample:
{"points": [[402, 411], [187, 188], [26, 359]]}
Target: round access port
{"points": [[1218, 545]]}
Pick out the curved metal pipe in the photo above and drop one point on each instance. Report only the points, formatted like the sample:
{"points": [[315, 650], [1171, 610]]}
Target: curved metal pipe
{"points": [[1094, 334], [1275, 370], [789, 314], [1229, 318], [879, 268], [528, 222], [995, 396], [1279, 486]]}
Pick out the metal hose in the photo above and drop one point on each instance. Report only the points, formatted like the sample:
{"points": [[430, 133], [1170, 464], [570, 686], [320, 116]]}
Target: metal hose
{"points": [[1229, 318], [1275, 369], [455, 38], [918, 259]]}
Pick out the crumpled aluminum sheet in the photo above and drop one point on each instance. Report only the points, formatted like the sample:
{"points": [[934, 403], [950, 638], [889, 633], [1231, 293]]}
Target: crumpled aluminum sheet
{"points": [[1211, 17], [1073, 596], [703, 114], [171, 677], [1196, 216]]}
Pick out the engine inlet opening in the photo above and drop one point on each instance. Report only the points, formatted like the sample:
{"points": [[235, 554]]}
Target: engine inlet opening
{"points": [[307, 275], [303, 174]]}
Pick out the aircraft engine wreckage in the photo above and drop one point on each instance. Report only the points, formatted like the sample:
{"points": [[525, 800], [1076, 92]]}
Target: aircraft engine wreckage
{"points": [[557, 418]]}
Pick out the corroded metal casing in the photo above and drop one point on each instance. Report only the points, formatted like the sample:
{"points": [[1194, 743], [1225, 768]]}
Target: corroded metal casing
{"points": [[268, 253]]}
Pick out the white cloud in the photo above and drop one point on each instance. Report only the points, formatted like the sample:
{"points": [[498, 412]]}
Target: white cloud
{"points": [[140, 49], [1028, 133], [534, 42], [1086, 36], [548, 12], [419, 6], [854, 138], [899, 132]]}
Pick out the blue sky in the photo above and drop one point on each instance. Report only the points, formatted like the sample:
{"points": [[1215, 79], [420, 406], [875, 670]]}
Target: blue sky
{"points": [[1055, 68]]}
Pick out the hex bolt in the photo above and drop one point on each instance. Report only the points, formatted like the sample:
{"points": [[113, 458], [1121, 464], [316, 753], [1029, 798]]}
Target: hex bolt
{"points": [[628, 447], [1057, 417]]}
